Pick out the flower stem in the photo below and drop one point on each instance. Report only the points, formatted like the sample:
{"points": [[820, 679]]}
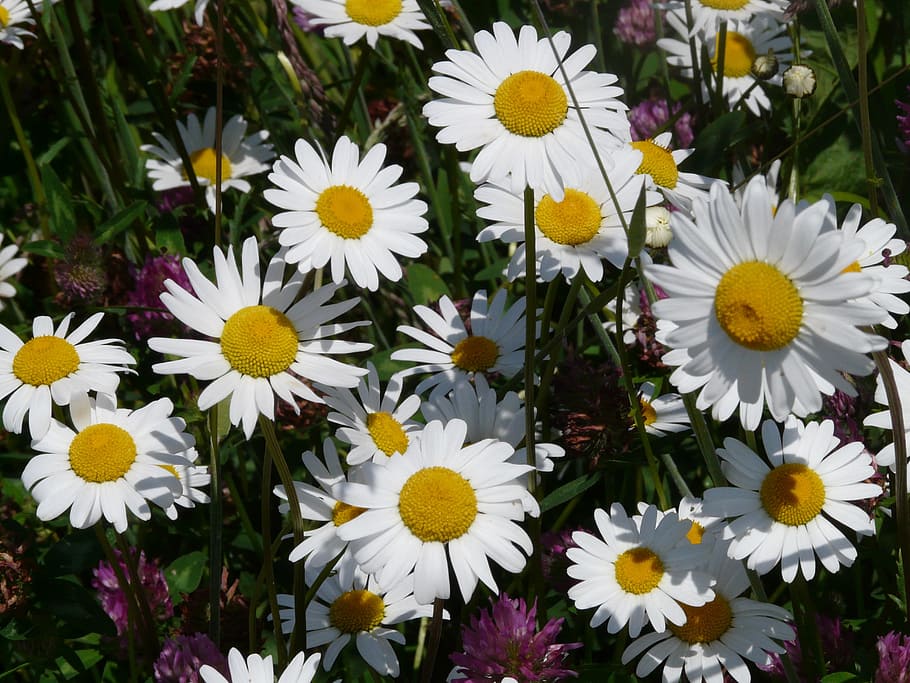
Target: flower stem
{"points": [[363, 62], [703, 438], [426, 670], [530, 333], [132, 612], [219, 115], [216, 529], [268, 559], [147, 621], [810, 640]]}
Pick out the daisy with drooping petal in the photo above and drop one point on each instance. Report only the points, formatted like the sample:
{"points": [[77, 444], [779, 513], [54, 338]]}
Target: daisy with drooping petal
{"points": [[55, 366], [256, 669], [372, 422], [574, 234], [719, 636], [241, 155], [495, 343], [14, 16], [9, 266], [439, 505], [113, 461], [190, 476], [643, 569], [348, 212], [759, 308], [886, 457], [358, 609], [663, 414], [511, 100], [784, 512], [351, 20], [198, 12], [264, 341], [660, 165], [707, 14]]}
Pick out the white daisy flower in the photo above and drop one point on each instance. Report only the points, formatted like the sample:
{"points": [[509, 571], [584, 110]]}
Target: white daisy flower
{"points": [[113, 461], [9, 266], [256, 669], [351, 20], [358, 609], [878, 237], [495, 343], [631, 312], [886, 456], [264, 342], [191, 477], [692, 510], [772, 179], [660, 165], [373, 422], [511, 100], [746, 40], [707, 14], [784, 512], [664, 414], [760, 310], [440, 505], [198, 12], [348, 212], [55, 366], [240, 156], [14, 16], [642, 570], [719, 636], [574, 234]]}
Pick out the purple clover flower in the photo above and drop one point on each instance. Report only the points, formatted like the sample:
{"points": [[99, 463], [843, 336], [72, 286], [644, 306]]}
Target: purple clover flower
{"points": [[635, 23], [183, 656], [837, 647], [113, 599], [505, 642], [149, 286], [893, 658], [651, 116], [903, 123], [553, 558]]}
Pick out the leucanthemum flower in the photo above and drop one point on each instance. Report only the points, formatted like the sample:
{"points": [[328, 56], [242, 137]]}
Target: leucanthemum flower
{"points": [[14, 16], [631, 312], [495, 343], [643, 569], [351, 20], [9, 266], [719, 636], [348, 212], [664, 414], [707, 14], [198, 12], [190, 476], [576, 233], [360, 609], [256, 669], [439, 505], [263, 341], [373, 422], [113, 461], [886, 456], [784, 512], [660, 165], [55, 366], [510, 100], [241, 155], [760, 310]]}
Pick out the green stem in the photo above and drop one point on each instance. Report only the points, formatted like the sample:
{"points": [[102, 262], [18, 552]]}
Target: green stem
{"points": [[363, 62], [147, 621], [693, 55], [454, 173], [426, 671], [759, 590], [705, 443], [720, 54], [132, 610], [530, 332], [268, 560], [810, 640], [216, 528], [865, 123], [219, 115]]}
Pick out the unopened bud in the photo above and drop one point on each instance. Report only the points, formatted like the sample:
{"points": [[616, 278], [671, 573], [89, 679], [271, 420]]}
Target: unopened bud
{"points": [[799, 81], [657, 224], [765, 66]]}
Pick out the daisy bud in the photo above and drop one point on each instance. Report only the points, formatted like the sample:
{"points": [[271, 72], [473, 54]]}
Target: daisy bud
{"points": [[765, 66], [799, 81], [657, 224]]}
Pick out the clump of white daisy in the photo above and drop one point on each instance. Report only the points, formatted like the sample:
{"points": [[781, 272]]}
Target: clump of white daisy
{"points": [[9, 266], [191, 476], [352, 20], [258, 669], [662, 414], [660, 165], [886, 457]]}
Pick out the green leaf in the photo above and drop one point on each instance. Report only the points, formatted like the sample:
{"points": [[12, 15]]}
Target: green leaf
{"points": [[44, 248], [14, 631], [568, 491], [637, 228], [425, 284], [184, 574], [714, 142], [119, 222], [59, 204], [839, 677], [77, 608], [170, 239], [74, 554]]}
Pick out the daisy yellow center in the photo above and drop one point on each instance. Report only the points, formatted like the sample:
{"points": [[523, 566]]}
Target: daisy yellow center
{"points": [[387, 433], [704, 624], [475, 354], [102, 452], [342, 512], [758, 306], [203, 161], [639, 570], [530, 104], [437, 504], [657, 162], [853, 268], [259, 341], [724, 4], [345, 210], [4, 16], [356, 611], [696, 533], [792, 494], [574, 220], [739, 54], [372, 12], [44, 360], [647, 412]]}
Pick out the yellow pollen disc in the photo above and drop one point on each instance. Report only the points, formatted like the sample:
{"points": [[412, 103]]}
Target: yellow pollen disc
{"points": [[259, 341], [792, 494], [853, 268], [203, 161], [704, 624], [639, 570], [696, 533], [342, 512], [574, 220], [657, 162], [44, 360], [372, 12], [102, 452], [758, 306], [387, 433], [4, 16], [345, 210], [530, 104], [647, 411], [738, 55], [356, 611], [724, 4], [437, 504], [475, 354]]}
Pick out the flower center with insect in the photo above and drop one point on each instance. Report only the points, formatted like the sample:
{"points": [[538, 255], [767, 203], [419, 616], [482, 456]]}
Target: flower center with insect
{"points": [[573, 221], [758, 306], [639, 570], [725, 4], [739, 54], [387, 433], [342, 512], [102, 452], [792, 494], [259, 341], [345, 211], [372, 12], [203, 161], [356, 611], [658, 163], [475, 354], [437, 504], [704, 624], [530, 104], [44, 360]]}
